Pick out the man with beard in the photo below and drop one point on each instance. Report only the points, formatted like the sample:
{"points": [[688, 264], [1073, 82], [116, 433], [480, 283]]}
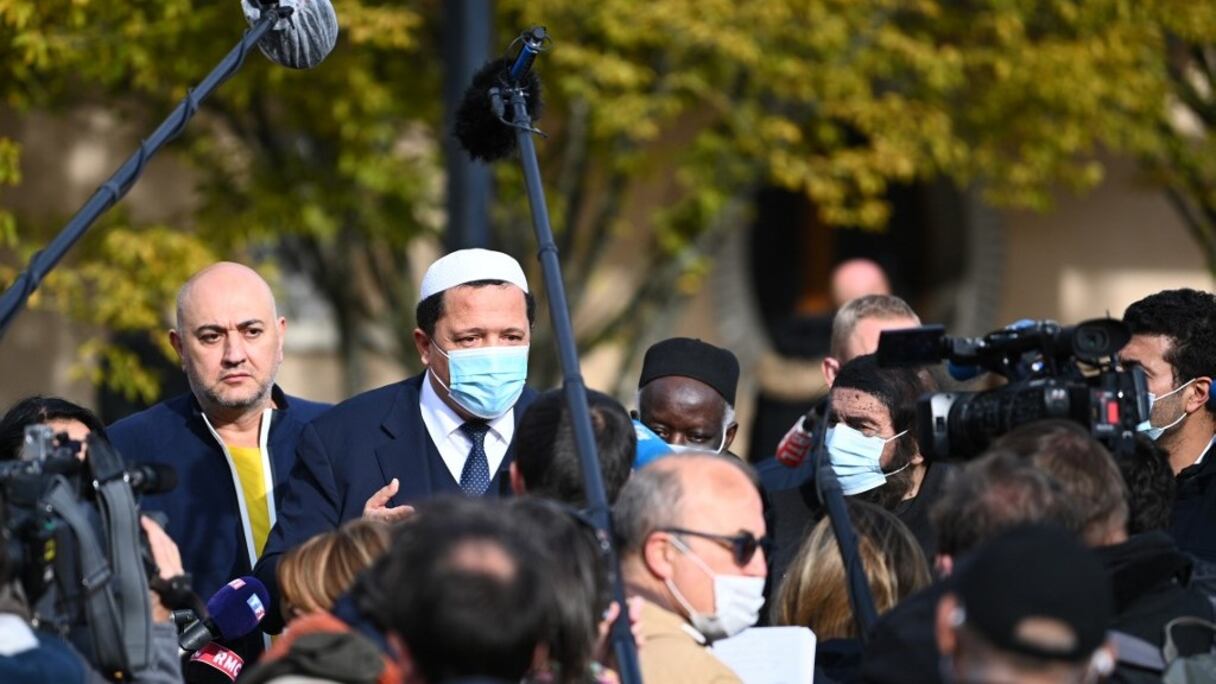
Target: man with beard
{"points": [[872, 443], [855, 332], [873, 449], [1174, 342], [232, 438]]}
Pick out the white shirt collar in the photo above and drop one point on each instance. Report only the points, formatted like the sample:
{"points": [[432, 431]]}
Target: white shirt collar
{"points": [[1205, 451], [16, 637]]}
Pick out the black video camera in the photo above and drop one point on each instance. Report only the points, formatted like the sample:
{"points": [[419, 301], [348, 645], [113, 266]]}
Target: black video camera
{"points": [[1051, 372], [32, 535], [73, 541]]}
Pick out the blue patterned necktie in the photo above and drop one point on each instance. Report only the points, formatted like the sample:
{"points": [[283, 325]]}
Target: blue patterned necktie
{"points": [[475, 477]]}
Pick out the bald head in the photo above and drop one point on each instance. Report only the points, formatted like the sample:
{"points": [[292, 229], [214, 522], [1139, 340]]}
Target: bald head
{"points": [[857, 278], [223, 276], [683, 487], [684, 521], [230, 339], [711, 484]]}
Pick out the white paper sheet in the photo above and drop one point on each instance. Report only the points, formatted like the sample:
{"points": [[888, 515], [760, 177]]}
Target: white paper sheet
{"points": [[770, 655]]}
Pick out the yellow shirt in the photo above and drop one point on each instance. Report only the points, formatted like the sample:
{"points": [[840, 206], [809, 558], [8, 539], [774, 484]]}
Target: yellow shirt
{"points": [[252, 475]]}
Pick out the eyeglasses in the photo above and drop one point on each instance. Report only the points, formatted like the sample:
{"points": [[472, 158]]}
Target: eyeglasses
{"points": [[743, 546]]}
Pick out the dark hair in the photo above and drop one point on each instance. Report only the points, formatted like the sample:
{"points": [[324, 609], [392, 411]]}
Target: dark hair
{"points": [[547, 457], [1188, 319], [458, 617], [1083, 467], [430, 310], [1150, 486], [897, 389], [993, 493], [36, 410], [576, 572]]}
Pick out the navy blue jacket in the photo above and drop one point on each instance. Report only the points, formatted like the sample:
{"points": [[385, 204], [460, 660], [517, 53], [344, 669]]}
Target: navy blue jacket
{"points": [[53, 661], [348, 454], [1195, 509], [203, 511]]}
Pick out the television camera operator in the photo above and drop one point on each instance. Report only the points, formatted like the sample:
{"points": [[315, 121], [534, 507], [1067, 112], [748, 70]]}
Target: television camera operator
{"points": [[45, 630]]}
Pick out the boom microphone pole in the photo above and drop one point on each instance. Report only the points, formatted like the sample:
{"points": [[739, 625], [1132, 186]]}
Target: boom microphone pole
{"points": [[832, 497], [485, 127], [287, 32]]}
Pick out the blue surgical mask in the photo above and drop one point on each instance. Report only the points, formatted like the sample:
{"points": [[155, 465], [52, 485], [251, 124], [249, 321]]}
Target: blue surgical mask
{"points": [[486, 381], [857, 459], [1147, 426]]}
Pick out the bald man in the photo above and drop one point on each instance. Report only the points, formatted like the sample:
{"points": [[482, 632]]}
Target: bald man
{"points": [[692, 536], [857, 278], [233, 437]]}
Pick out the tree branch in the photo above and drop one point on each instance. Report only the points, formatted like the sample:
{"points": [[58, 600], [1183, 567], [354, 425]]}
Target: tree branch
{"points": [[572, 180], [1200, 227]]}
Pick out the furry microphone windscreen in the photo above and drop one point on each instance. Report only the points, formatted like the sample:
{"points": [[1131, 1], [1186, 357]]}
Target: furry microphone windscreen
{"points": [[477, 126], [301, 41]]}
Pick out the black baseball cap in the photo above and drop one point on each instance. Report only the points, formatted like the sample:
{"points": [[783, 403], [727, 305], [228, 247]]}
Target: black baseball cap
{"points": [[1037, 591]]}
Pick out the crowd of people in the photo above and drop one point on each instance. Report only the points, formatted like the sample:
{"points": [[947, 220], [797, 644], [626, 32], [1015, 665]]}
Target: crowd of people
{"points": [[436, 529]]}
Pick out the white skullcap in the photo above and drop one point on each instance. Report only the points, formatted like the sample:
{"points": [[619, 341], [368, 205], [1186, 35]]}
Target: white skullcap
{"points": [[469, 265]]}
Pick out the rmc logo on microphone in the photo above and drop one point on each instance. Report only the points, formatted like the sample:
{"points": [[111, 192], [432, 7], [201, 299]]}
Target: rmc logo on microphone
{"points": [[221, 659]]}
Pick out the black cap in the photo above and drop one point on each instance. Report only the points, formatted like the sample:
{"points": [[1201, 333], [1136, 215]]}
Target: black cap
{"points": [[1037, 591], [694, 359]]}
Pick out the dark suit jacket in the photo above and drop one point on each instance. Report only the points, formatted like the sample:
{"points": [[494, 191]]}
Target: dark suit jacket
{"points": [[1195, 508], [204, 517], [349, 453]]}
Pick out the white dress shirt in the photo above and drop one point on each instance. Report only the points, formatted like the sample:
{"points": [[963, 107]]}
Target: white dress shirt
{"points": [[443, 425], [1199, 460]]}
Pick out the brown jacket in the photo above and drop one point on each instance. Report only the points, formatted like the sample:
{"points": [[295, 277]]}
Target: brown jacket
{"points": [[672, 652], [320, 647]]}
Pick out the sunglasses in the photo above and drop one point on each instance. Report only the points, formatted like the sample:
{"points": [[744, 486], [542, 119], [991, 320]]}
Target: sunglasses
{"points": [[743, 546]]}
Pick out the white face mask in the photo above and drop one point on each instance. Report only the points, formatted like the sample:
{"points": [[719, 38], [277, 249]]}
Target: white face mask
{"points": [[857, 459], [683, 448], [737, 600], [1147, 426]]}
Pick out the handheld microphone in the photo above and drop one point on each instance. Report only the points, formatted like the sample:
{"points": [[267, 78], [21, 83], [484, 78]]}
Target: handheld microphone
{"points": [[152, 478], [234, 611], [797, 442], [213, 664], [183, 618], [483, 121], [301, 40]]}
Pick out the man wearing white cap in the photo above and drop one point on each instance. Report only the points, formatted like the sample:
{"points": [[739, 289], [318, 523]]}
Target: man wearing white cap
{"points": [[446, 430]]}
